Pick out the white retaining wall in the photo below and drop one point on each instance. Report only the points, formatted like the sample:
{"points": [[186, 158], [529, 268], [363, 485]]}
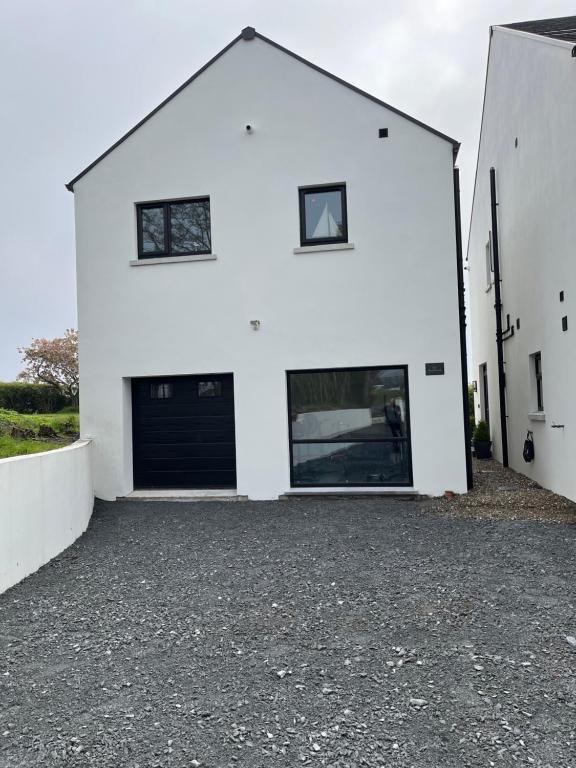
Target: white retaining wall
{"points": [[46, 502]]}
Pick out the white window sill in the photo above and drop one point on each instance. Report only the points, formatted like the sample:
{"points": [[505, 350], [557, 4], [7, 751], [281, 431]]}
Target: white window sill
{"points": [[326, 247], [173, 259], [537, 416]]}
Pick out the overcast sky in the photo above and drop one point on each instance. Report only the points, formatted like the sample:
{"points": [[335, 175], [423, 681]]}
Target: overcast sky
{"points": [[77, 74]]}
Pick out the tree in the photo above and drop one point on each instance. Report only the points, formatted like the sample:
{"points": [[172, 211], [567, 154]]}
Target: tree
{"points": [[53, 362]]}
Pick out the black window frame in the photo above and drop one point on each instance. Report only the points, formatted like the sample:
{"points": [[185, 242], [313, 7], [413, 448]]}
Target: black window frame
{"points": [[318, 189], [165, 205], [537, 362], [407, 439]]}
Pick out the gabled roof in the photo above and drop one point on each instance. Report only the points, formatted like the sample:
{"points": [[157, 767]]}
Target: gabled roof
{"points": [[249, 33], [562, 28]]}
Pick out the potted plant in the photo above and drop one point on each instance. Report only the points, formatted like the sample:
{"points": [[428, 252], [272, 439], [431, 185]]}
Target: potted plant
{"points": [[482, 442]]}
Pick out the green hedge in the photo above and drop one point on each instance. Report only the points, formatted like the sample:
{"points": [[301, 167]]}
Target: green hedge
{"points": [[31, 398]]}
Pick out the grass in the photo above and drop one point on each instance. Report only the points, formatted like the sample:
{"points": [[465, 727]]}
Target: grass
{"points": [[9, 446], [64, 424]]}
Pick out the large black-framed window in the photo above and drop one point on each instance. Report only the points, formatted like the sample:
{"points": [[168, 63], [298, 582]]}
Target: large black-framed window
{"points": [[323, 215], [349, 427], [174, 228]]}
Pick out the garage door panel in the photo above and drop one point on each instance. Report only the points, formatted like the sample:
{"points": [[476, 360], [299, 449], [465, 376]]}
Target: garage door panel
{"points": [[184, 423], [177, 479], [155, 410], [189, 450], [183, 432], [189, 464], [187, 436]]}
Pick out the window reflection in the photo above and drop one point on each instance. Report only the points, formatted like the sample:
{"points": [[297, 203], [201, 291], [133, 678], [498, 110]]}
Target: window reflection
{"points": [[346, 404], [209, 389], [190, 227], [161, 391], [351, 463], [153, 236], [350, 426], [323, 215]]}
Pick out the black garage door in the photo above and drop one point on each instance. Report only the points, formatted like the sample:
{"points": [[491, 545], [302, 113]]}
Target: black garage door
{"points": [[183, 432]]}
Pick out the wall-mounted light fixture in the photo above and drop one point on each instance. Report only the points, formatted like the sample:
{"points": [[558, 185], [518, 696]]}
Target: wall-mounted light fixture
{"points": [[255, 325]]}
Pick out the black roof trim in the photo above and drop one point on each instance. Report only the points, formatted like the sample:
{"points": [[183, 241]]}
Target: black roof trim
{"points": [[455, 144], [247, 34], [561, 28]]}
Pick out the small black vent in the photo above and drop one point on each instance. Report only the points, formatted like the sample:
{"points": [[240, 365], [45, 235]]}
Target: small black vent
{"points": [[517, 323], [382, 133], [561, 295], [565, 323]]}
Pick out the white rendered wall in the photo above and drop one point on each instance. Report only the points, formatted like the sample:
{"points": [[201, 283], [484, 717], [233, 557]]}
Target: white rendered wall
{"points": [[530, 96], [391, 300], [46, 502]]}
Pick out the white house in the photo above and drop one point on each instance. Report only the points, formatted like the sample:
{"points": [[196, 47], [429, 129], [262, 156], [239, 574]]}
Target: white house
{"points": [[521, 250], [268, 276]]}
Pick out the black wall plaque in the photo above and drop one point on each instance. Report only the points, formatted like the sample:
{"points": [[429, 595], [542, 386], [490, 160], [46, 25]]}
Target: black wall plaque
{"points": [[434, 369]]}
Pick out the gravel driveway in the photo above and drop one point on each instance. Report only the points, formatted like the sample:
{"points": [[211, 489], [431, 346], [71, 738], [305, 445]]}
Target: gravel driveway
{"points": [[333, 633]]}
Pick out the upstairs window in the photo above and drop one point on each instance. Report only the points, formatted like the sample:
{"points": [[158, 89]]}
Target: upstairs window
{"points": [[489, 263], [174, 228], [537, 390], [323, 217]]}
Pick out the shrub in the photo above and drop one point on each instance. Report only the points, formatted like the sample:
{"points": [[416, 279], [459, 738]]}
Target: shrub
{"points": [[31, 398], [481, 433], [70, 408]]}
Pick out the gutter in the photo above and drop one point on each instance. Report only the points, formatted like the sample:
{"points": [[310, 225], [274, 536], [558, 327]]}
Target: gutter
{"points": [[498, 310], [462, 322]]}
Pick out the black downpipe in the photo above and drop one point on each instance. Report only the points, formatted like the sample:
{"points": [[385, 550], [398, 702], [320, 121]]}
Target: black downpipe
{"points": [[462, 318], [498, 309]]}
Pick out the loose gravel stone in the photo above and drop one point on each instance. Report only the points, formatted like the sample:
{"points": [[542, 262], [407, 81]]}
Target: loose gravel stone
{"points": [[406, 639], [499, 493]]}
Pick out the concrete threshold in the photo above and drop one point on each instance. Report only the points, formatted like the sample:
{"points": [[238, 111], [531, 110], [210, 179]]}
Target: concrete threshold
{"points": [[183, 494]]}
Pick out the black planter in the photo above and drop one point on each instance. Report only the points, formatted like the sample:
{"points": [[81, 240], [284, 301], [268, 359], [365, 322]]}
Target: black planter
{"points": [[483, 449]]}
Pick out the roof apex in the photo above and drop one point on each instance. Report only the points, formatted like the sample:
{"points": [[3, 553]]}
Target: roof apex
{"points": [[249, 33]]}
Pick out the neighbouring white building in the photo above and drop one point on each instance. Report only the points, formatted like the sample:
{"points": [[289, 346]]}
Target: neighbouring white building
{"points": [[269, 290], [522, 238]]}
